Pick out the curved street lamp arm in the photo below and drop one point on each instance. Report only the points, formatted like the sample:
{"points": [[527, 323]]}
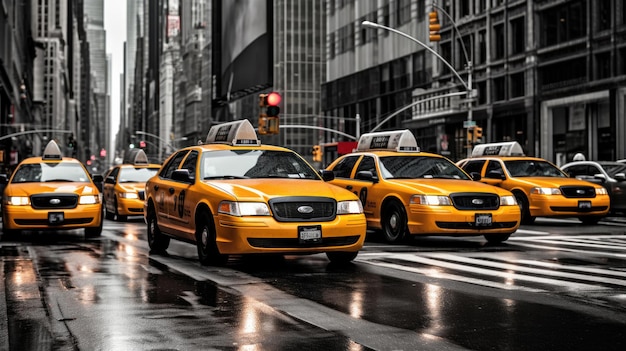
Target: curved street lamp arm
{"points": [[456, 29]]}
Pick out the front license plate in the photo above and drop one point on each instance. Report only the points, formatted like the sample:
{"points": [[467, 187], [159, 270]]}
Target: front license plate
{"points": [[584, 205], [55, 217], [310, 234], [482, 219]]}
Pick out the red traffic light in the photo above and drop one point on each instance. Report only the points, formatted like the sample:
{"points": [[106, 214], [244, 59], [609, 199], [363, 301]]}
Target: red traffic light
{"points": [[273, 99]]}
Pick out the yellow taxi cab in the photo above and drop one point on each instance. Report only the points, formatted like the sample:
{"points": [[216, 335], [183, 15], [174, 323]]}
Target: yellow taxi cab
{"points": [[408, 192], [232, 195], [124, 185], [51, 192], [541, 188]]}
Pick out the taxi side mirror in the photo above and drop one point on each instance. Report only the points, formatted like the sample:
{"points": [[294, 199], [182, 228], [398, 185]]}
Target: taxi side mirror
{"points": [[97, 178], [366, 175], [4, 179], [620, 177], [327, 175], [600, 177], [110, 180], [182, 175], [495, 175]]}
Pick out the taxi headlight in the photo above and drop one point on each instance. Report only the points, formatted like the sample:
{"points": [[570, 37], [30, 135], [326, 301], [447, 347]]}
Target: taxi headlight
{"points": [[545, 191], [508, 200], [18, 200], [431, 200], [349, 207], [244, 208], [88, 199], [129, 195], [601, 191]]}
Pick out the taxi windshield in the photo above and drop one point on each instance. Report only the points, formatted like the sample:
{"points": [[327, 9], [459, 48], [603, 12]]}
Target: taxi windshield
{"points": [[51, 172], [409, 167], [533, 168], [136, 175], [244, 163]]}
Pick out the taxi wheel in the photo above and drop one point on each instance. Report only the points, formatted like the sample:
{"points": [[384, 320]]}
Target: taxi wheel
{"points": [[342, 256], [107, 214], [118, 216], [156, 240], [394, 222], [92, 232], [208, 253], [522, 201]]}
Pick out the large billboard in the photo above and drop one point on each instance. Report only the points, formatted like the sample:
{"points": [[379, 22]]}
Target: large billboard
{"points": [[242, 51]]}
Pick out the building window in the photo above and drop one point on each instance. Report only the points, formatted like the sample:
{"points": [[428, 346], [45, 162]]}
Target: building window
{"points": [[403, 12], [465, 6], [498, 91], [603, 65], [482, 46], [498, 40], [604, 14], [564, 73], [563, 23], [517, 84], [518, 37]]}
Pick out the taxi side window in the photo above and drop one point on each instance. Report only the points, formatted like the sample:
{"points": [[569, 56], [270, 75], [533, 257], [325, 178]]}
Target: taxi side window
{"points": [[172, 165], [367, 164], [494, 166], [343, 169], [190, 163], [474, 166]]}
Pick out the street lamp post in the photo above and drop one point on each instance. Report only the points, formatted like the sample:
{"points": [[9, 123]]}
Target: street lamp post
{"points": [[467, 85]]}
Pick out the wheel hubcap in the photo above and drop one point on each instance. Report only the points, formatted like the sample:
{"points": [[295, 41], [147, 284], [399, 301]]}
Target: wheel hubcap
{"points": [[205, 237], [393, 222]]}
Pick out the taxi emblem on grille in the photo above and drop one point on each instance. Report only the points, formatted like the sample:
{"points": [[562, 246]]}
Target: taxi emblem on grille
{"points": [[580, 191], [305, 209], [55, 201], [477, 201]]}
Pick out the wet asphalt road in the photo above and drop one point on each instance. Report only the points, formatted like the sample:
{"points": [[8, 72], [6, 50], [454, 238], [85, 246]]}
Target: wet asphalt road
{"points": [[553, 286]]}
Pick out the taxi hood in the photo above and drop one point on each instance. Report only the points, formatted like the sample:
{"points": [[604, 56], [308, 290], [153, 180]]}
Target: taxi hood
{"points": [[553, 182], [268, 188], [445, 186], [27, 189]]}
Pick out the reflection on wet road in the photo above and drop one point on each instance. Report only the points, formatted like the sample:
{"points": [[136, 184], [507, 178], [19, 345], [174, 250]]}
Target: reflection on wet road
{"points": [[537, 291]]}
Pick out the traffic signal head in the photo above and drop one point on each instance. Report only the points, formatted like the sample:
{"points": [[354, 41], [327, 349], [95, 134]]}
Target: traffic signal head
{"points": [[271, 104], [142, 144], [317, 153], [478, 135], [434, 26], [268, 113]]}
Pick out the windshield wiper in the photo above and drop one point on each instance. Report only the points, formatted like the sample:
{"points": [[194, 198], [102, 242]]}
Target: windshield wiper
{"points": [[226, 177]]}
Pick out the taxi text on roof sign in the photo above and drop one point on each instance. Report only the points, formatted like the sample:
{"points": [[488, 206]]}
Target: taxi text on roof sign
{"points": [[509, 148], [398, 140], [233, 133]]}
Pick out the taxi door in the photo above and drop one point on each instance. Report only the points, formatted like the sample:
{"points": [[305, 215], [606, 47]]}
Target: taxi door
{"points": [[182, 198], [164, 192], [108, 189], [366, 183]]}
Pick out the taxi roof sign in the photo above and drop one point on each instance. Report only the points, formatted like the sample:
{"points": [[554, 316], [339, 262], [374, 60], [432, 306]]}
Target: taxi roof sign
{"points": [[239, 132], [136, 157], [52, 151], [398, 140], [507, 148]]}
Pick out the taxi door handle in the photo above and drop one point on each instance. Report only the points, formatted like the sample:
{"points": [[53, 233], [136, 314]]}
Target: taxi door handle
{"points": [[349, 187], [171, 190]]}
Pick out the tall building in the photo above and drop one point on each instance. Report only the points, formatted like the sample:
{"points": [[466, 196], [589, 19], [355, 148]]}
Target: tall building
{"points": [[99, 113], [548, 74]]}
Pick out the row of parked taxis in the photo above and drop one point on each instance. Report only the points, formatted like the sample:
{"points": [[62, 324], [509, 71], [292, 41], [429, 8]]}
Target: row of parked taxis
{"points": [[232, 195]]}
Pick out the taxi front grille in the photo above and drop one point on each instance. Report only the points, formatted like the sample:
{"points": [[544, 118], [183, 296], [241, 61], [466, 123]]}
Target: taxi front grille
{"points": [[475, 201], [46, 223], [54, 201], [142, 195], [294, 243], [303, 209], [578, 192]]}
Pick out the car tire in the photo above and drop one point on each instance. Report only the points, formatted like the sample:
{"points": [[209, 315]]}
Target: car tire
{"points": [[341, 257], [93, 232], [394, 222], [156, 240], [524, 207], [108, 215], [497, 238], [118, 216], [208, 253]]}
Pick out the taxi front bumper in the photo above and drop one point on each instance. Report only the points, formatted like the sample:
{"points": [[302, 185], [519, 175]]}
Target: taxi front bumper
{"points": [[130, 207], [447, 220], [27, 218], [246, 235], [555, 206]]}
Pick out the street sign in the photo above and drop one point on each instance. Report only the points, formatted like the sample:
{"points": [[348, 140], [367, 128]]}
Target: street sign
{"points": [[469, 124]]}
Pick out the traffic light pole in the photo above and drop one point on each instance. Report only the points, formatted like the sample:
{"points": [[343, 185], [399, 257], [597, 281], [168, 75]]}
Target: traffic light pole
{"points": [[467, 85]]}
